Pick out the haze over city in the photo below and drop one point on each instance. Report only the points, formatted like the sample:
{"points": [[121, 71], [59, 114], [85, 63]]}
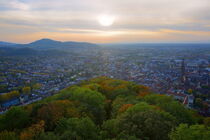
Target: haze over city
{"points": [[106, 21]]}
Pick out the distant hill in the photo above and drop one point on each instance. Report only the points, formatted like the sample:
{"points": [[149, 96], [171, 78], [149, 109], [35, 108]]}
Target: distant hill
{"points": [[2, 43], [14, 51], [45, 44], [7, 51]]}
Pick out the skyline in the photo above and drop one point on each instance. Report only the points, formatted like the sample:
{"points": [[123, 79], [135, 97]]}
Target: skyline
{"points": [[145, 21]]}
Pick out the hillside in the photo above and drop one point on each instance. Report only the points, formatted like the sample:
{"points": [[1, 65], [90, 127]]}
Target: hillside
{"points": [[104, 108], [44, 47], [48, 44], [2, 43]]}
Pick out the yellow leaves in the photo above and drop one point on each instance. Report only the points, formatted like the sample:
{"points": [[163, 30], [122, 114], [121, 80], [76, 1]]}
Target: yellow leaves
{"points": [[190, 91], [37, 86], [26, 90], [8, 96]]}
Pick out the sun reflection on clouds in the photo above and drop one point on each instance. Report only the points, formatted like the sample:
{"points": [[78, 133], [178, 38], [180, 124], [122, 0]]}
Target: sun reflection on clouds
{"points": [[134, 19]]}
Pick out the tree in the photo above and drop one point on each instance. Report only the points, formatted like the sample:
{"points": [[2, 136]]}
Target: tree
{"points": [[124, 107], [77, 128], [36, 86], [110, 129], [26, 90], [176, 109], [206, 121], [120, 101], [52, 112], [193, 132], [6, 135], [9, 96], [198, 102], [33, 131], [90, 102], [190, 91], [14, 118], [102, 108], [47, 136], [3, 88], [146, 122]]}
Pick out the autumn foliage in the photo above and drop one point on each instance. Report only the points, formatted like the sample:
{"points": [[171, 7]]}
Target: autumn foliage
{"points": [[101, 109]]}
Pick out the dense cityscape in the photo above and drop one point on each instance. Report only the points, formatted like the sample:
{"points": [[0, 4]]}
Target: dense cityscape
{"points": [[178, 70]]}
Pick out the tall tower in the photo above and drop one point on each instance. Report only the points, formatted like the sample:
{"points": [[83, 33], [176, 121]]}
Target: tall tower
{"points": [[183, 76]]}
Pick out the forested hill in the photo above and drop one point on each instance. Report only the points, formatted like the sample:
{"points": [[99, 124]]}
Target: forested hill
{"points": [[104, 108]]}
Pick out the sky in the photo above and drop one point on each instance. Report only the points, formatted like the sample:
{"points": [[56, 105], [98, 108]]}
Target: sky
{"points": [[142, 21]]}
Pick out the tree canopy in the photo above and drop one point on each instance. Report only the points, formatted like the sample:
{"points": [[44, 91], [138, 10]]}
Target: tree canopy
{"points": [[103, 108]]}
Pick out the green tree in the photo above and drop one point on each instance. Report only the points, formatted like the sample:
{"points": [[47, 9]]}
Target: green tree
{"points": [[198, 102], [14, 118], [90, 102], [3, 88], [6, 135], [193, 132], [110, 129], [146, 122], [48, 136], [175, 108], [77, 128], [206, 121]]}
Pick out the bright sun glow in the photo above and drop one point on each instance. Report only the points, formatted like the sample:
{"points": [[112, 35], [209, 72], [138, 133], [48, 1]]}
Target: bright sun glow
{"points": [[106, 20]]}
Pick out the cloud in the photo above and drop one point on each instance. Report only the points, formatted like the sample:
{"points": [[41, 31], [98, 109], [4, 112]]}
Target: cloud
{"points": [[14, 4], [147, 17]]}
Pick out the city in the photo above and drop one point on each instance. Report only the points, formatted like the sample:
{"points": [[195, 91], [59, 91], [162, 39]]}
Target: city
{"points": [[178, 70]]}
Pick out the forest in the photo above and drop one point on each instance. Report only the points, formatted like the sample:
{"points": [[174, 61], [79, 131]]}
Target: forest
{"points": [[104, 109]]}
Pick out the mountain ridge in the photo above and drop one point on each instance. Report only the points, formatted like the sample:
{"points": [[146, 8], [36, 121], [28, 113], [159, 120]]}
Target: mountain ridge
{"points": [[45, 44], [7, 43]]}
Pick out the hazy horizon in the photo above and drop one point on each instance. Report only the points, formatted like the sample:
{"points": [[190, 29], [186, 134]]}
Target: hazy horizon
{"points": [[110, 43]]}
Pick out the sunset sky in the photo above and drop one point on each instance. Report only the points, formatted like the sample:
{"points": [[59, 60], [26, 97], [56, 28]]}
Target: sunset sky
{"points": [[151, 21]]}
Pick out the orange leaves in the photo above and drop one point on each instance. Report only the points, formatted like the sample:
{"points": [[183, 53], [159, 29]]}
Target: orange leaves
{"points": [[72, 112], [49, 112], [142, 88], [108, 101], [53, 111], [143, 91], [32, 131], [124, 107], [142, 94]]}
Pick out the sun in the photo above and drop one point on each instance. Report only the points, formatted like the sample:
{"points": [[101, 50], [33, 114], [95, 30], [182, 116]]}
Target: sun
{"points": [[106, 20]]}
